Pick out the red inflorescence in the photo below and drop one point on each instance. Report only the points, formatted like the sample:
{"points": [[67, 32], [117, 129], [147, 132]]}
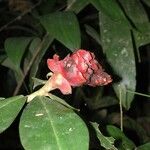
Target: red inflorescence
{"points": [[80, 68]]}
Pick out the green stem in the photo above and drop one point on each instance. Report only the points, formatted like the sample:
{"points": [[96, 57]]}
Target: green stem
{"points": [[121, 111], [137, 93], [42, 91], [54, 82]]}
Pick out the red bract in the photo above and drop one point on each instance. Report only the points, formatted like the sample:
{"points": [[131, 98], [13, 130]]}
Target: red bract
{"points": [[80, 68]]}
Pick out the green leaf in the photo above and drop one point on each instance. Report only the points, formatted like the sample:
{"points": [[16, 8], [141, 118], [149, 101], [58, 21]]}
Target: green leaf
{"points": [[8, 63], [46, 124], [34, 44], [64, 27], [141, 38], [143, 28], [17, 71], [77, 5], [138, 14], [144, 147], [37, 82], [117, 44], [111, 9], [9, 109], [115, 132], [130, 124], [15, 48], [106, 142], [93, 33], [139, 18], [35, 66], [30, 52]]}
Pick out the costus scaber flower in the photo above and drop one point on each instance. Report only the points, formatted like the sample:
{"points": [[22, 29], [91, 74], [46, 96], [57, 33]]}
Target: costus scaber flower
{"points": [[77, 69]]}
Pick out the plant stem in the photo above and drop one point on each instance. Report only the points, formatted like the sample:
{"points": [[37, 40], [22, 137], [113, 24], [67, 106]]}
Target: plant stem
{"points": [[20, 16], [121, 111], [137, 93], [53, 83], [42, 91], [29, 66]]}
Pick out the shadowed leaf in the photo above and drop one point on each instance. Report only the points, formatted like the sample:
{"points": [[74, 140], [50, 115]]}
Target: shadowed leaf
{"points": [[9, 109]]}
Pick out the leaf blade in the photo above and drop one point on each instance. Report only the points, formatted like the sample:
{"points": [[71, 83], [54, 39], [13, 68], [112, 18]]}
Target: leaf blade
{"points": [[138, 14], [120, 54], [15, 48], [64, 27], [53, 125], [35, 66], [106, 142], [119, 135], [9, 109], [144, 146]]}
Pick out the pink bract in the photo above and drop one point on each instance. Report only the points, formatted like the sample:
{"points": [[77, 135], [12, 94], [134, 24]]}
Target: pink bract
{"points": [[80, 68]]}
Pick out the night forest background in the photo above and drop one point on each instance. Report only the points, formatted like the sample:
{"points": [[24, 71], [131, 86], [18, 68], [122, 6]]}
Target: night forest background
{"points": [[116, 116]]}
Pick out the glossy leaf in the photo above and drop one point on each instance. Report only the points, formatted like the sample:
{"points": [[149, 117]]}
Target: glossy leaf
{"points": [[15, 48], [9, 109], [46, 124], [120, 136], [117, 44], [77, 5], [64, 27], [106, 142], [118, 47]]}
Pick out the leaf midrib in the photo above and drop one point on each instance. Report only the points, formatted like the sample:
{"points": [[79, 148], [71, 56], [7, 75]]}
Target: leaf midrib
{"points": [[52, 125]]}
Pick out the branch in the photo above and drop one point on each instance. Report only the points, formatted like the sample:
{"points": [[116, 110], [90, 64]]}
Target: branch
{"points": [[30, 64], [20, 16]]}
